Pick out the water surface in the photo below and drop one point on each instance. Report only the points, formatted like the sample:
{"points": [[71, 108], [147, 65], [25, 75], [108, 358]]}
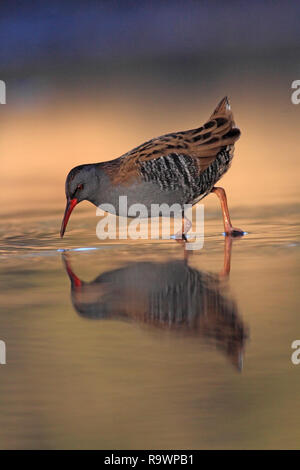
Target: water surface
{"points": [[135, 345], [129, 344]]}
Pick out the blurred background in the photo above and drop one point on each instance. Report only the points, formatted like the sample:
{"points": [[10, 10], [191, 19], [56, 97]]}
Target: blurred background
{"points": [[85, 82], [88, 80]]}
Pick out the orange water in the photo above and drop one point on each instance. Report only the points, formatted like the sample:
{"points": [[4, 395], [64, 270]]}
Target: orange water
{"points": [[125, 381]]}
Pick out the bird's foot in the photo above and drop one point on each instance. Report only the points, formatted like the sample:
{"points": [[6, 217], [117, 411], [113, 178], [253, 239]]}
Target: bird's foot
{"points": [[235, 232], [180, 237], [184, 237]]}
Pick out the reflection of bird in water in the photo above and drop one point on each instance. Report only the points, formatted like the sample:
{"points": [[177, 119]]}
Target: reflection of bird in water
{"points": [[170, 295]]}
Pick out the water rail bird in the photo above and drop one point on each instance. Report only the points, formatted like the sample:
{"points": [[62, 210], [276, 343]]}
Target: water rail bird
{"points": [[177, 168]]}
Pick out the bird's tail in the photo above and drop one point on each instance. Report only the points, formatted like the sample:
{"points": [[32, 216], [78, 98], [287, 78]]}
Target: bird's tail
{"points": [[226, 127], [223, 108]]}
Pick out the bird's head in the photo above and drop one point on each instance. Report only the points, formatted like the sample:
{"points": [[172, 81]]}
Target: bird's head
{"points": [[80, 186]]}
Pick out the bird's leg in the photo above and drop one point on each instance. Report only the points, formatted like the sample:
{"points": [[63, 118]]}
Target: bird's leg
{"points": [[228, 228], [186, 226]]}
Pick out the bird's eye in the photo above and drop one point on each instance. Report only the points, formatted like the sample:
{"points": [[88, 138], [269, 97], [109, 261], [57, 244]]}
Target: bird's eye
{"points": [[80, 187]]}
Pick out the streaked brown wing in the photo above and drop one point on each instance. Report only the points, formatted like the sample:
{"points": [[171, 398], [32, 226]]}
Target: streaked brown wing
{"points": [[202, 144]]}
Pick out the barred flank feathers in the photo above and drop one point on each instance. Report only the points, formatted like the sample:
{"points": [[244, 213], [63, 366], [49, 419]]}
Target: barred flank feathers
{"points": [[202, 145]]}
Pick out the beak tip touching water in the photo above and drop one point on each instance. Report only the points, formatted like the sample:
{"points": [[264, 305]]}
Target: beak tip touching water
{"points": [[71, 203]]}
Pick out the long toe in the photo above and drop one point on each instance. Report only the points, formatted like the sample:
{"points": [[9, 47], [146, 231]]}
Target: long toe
{"points": [[236, 232]]}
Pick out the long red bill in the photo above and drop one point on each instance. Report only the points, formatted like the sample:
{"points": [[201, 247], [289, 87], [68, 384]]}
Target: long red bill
{"points": [[71, 203]]}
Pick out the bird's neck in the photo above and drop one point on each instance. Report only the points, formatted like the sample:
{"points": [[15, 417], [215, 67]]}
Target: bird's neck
{"points": [[103, 189]]}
